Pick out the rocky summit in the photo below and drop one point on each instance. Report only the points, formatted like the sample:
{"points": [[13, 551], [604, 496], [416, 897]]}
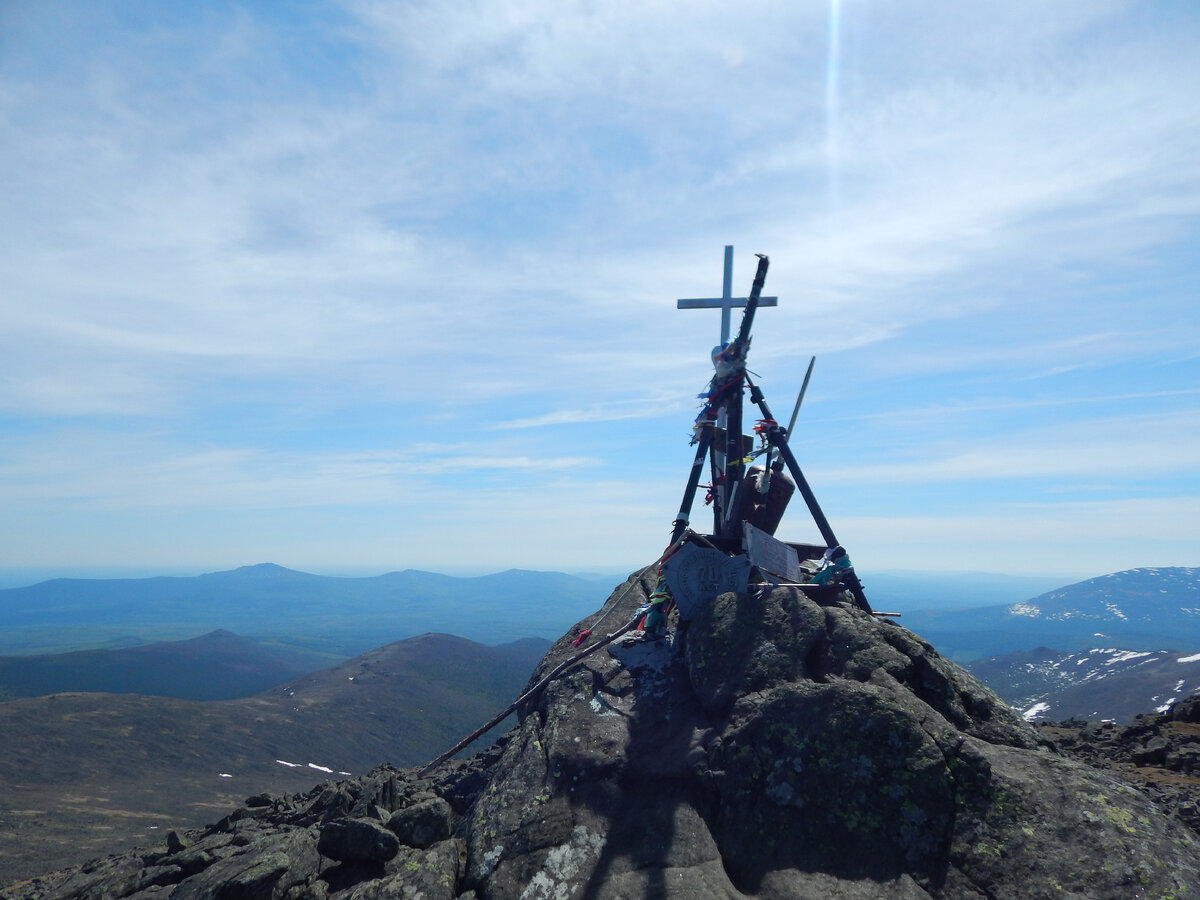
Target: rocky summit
{"points": [[771, 747]]}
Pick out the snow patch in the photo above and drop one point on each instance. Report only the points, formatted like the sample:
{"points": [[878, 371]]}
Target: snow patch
{"points": [[1024, 609], [1034, 711], [1187, 659], [290, 765], [325, 769], [224, 775], [1126, 656], [1165, 706]]}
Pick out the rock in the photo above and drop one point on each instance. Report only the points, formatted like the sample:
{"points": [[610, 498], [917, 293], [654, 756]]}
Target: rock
{"points": [[792, 750], [1152, 753], [432, 874], [357, 840], [175, 844], [772, 747], [422, 824], [268, 868], [197, 856], [381, 791], [110, 878], [1134, 753], [1187, 710], [1184, 759]]}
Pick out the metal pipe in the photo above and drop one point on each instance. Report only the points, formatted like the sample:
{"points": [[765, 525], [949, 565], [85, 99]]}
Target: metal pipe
{"points": [[689, 492]]}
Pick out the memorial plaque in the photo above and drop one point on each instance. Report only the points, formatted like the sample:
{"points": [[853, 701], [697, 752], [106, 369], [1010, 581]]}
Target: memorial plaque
{"points": [[770, 555], [696, 575]]}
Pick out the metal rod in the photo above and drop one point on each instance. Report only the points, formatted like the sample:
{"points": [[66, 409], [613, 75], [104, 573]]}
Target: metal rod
{"points": [[735, 468], [780, 443], [689, 492], [760, 276], [800, 398]]}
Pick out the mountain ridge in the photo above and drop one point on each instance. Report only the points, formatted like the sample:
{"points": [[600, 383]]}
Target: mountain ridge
{"points": [[336, 614], [1149, 608], [219, 665]]}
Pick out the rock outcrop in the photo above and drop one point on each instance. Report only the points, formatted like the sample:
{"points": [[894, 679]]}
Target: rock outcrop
{"points": [[1159, 753], [772, 747]]}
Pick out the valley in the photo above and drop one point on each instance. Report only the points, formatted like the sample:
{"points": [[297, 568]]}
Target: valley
{"points": [[90, 773]]}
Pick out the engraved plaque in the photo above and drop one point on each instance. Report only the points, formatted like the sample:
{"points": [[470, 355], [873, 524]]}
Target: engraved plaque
{"points": [[696, 575]]}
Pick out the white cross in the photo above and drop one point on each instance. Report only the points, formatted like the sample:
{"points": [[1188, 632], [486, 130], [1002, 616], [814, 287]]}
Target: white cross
{"points": [[725, 302]]}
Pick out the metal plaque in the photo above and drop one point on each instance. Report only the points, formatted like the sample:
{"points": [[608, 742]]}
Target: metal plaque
{"points": [[769, 554], [697, 575]]}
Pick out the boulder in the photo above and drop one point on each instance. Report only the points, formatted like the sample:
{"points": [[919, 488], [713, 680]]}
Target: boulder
{"points": [[1151, 753], [422, 824], [1187, 710], [357, 840]]}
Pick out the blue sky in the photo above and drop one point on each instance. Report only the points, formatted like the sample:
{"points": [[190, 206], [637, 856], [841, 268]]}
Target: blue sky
{"points": [[360, 286]]}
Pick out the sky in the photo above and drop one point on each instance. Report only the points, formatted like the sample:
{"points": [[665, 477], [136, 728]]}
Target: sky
{"points": [[361, 286]]}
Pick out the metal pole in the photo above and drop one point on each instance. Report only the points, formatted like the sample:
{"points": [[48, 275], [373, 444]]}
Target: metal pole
{"points": [[689, 492], [732, 403], [800, 397], [775, 436], [726, 293]]}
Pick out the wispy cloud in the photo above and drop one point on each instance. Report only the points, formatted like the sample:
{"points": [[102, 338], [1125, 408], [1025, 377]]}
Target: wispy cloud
{"points": [[1125, 449], [1016, 404]]}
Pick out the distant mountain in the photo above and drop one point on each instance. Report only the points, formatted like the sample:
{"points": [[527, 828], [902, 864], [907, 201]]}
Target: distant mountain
{"points": [[344, 616], [1098, 684], [216, 666], [1138, 609], [1143, 598], [85, 773]]}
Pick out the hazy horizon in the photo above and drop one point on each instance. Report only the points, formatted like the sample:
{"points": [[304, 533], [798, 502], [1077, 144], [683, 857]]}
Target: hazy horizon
{"points": [[17, 576]]}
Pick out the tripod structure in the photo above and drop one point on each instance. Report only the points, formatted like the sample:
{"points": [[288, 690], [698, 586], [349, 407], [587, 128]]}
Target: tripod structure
{"points": [[748, 501]]}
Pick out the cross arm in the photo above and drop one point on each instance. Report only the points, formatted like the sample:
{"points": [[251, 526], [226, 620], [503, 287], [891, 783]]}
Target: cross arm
{"points": [[723, 303]]}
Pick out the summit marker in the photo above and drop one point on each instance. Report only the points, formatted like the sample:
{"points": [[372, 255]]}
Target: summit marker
{"points": [[726, 301]]}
